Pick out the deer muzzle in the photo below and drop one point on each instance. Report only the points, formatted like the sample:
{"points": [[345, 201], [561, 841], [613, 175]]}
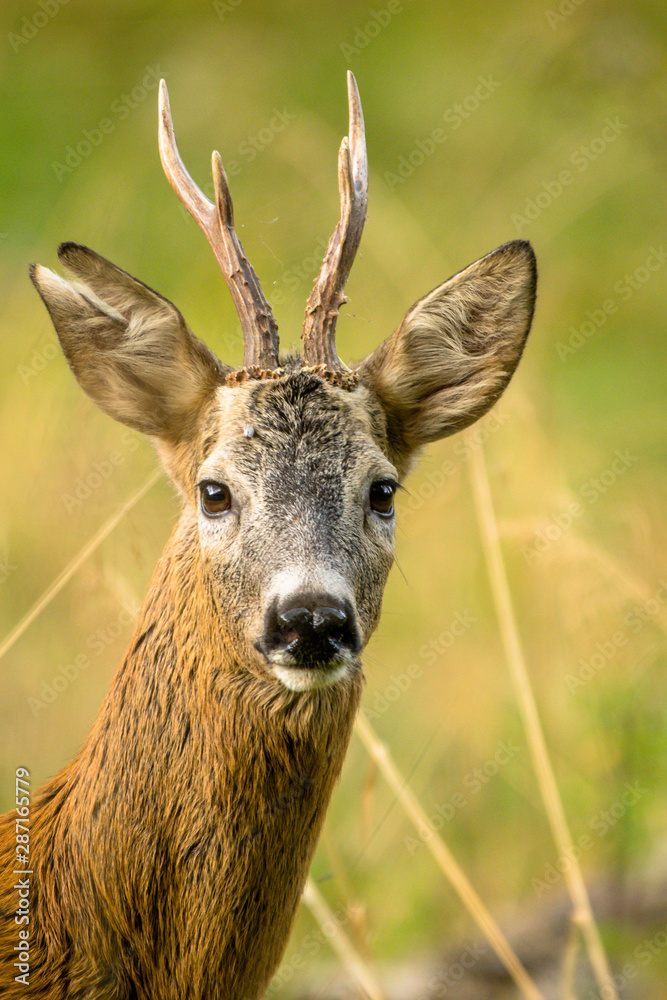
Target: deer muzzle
{"points": [[310, 632]]}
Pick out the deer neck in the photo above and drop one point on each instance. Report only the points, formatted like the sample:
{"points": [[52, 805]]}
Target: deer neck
{"points": [[193, 811]]}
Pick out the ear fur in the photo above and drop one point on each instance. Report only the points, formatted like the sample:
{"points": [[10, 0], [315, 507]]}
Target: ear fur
{"points": [[129, 348], [455, 351]]}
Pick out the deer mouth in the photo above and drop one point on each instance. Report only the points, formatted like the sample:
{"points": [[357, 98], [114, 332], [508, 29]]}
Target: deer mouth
{"points": [[309, 678]]}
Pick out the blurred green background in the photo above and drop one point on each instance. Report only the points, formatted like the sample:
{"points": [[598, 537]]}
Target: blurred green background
{"points": [[484, 123]]}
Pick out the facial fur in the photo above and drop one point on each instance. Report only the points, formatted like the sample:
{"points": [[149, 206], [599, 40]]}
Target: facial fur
{"points": [[299, 457]]}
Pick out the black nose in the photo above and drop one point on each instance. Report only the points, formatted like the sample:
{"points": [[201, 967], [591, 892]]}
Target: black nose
{"points": [[307, 630]]}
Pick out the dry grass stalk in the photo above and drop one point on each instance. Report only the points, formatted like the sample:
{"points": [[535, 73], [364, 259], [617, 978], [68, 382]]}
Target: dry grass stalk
{"points": [[367, 798], [544, 771], [340, 942], [448, 864], [574, 545], [68, 572], [356, 911], [570, 961]]}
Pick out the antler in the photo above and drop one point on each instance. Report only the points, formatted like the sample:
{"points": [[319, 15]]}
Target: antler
{"points": [[260, 330], [326, 298]]}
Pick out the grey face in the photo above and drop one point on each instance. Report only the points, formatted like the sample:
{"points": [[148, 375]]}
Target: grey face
{"points": [[296, 524]]}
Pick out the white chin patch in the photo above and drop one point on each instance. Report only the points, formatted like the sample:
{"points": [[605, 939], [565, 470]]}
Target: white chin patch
{"points": [[307, 678]]}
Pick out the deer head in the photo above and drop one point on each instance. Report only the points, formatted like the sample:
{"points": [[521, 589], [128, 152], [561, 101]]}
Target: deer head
{"points": [[288, 467]]}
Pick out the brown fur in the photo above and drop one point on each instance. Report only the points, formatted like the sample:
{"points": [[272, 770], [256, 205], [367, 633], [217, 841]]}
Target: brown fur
{"points": [[169, 857]]}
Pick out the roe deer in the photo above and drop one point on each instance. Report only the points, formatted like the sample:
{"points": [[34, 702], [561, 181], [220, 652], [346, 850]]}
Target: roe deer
{"points": [[168, 859]]}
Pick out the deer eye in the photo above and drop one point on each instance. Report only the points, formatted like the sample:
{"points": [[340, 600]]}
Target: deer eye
{"points": [[381, 497], [215, 498]]}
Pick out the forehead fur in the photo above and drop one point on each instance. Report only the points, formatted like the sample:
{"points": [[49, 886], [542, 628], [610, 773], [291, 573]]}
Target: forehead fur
{"points": [[301, 416], [304, 408], [300, 412]]}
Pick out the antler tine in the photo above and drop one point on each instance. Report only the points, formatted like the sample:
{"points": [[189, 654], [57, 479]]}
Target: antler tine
{"points": [[327, 296], [260, 331]]}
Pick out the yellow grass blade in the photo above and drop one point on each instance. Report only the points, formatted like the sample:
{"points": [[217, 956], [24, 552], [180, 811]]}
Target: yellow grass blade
{"points": [[546, 779], [445, 859], [340, 942], [68, 572]]}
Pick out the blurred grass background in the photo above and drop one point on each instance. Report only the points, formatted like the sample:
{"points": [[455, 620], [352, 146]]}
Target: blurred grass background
{"points": [[567, 87]]}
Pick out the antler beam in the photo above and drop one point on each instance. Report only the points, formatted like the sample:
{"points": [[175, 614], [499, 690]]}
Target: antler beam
{"points": [[327, 296], [260, 330]]}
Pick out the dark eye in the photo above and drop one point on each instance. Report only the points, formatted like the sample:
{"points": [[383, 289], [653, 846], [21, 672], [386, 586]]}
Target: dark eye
{"points": [[381, 497], [215, 498]]}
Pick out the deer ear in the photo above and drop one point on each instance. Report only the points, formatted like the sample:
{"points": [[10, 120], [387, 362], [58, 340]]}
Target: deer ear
{"points": [[130, 349], [455, 351]]}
